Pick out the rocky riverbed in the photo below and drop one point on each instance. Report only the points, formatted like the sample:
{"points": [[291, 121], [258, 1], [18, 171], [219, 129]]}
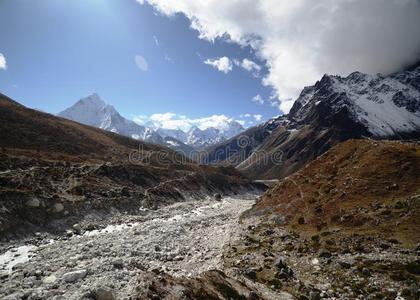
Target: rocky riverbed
{"points": [[184, 239]]}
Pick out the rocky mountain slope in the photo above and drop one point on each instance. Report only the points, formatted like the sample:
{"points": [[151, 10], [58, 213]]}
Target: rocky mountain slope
{"points": [[345, 226], [335, 109], [52, 168], [93, 111]]}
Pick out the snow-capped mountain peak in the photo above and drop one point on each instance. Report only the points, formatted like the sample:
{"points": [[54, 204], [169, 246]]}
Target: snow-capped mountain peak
{"points": [[385, 105], [93, 111]]}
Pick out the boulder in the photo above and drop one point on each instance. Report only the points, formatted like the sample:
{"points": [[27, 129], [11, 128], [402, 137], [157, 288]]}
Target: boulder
{"points": [[118, 263], [325, 253], [49, 279], [103, 293], [58, 207], [217, 197], [74, 276], [34, 202], [279, 263]]}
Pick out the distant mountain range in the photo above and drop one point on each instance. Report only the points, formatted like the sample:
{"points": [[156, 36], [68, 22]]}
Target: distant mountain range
{"points": [[93, 111], [333, 110]]}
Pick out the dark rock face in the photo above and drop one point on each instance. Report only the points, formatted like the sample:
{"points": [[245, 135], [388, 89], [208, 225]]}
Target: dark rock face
{"points": [[410, 103], [334, 110]]}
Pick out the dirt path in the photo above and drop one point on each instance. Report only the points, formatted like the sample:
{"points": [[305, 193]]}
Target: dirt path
{"points": [[182, 239]]}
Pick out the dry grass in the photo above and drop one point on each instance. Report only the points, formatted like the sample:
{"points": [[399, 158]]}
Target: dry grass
{"points": [[359, 186]]}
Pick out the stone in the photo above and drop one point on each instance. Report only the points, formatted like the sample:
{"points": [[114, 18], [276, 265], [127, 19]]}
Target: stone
{"points": [[104, 293], [324, 253], [34, 202], [301, 221], [414, 267], [314, 295], [75, 275], [58, 207], [279, 263], [217, 196], [118, 263], [77, 228], [344, 264], [49, 279], [251, 274], [4, 274], [253, 296], [125, 192]]}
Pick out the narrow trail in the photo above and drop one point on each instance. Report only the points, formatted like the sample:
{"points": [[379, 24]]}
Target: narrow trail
{"points": [[183, 178], [184, 239]]}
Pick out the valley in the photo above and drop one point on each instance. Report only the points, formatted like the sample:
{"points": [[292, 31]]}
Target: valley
{"points": [[89, 212], [183, 239]]}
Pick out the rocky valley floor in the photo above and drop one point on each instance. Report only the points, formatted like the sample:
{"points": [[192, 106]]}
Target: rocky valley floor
{"points": [[184, 239]]}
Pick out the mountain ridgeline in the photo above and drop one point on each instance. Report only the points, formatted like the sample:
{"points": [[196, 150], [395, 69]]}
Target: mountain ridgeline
{"points": [[93, 111], [333, 110]]}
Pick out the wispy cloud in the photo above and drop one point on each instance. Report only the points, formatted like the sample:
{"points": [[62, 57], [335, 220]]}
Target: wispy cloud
{"points": [[223, 64], [141, 63], [249, 66], [3, 64], [169, 59], [156, 40], [258, 99]]}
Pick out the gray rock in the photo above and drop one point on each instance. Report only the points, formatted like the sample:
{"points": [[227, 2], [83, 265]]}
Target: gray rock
{"points": [[58, 207], [104, 293], [217, 196], [118, 263], [4, 274], [279, 263], [75, 275], [324, 253], [33, 203], [345, 264], [49, 279], [77, 228], [366, 272], [251, 274]]}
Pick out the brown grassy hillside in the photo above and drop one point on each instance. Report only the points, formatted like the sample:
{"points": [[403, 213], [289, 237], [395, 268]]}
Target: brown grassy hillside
{"points": [[358, 186]]}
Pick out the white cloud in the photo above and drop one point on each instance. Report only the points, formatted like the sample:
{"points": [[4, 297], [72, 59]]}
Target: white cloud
{"points": [[242, 122], [3, 64], [141, 63], [258, 118], [140, 119], [301, 40], [169, 59], [156, 41], [249, 66], [171, 120], [258, 99], [223, 64]]}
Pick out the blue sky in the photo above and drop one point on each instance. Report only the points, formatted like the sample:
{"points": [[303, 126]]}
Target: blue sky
{"points": [[58, 51]]}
